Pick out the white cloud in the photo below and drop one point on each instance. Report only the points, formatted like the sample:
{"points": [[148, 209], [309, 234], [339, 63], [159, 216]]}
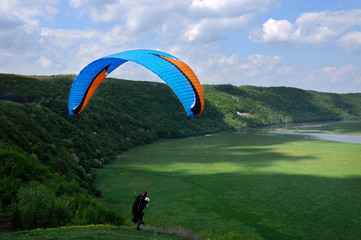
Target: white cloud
{"points": [[20, 25], [214, 67], [339, 79], [351, 42], [262, 65], [342, 73], [277, 30], [125, 24], [311, 28], [357, 79], [213, 29], [266, 70], [179, 20], [29, 48], [22, 13], [230, 8], [45, 62]]}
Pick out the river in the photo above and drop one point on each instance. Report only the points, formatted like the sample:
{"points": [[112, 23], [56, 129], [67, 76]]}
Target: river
{"points": [[344, 137], [324, 136]]}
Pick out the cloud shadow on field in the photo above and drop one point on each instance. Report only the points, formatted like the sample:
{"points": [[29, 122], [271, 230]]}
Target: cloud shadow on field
{"points": [[253, 150]]}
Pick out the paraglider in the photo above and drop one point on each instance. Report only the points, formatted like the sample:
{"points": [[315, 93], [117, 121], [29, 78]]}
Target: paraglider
{"points": [[177, 74], [140, 203]]}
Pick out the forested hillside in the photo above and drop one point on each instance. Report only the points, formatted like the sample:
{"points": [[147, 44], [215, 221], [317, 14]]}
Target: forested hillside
{"points": [[249, 106], [48, 157]]}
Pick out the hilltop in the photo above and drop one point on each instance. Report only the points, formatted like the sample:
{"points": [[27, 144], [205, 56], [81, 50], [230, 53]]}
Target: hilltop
{"points": [[48, 157]]}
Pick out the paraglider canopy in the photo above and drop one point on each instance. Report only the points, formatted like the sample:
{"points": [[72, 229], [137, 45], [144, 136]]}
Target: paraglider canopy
{"points": [[177, 74]]}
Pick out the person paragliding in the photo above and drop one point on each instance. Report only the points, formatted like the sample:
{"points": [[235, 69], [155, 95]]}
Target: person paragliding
{"points": [[140, 203], [173, 71]]}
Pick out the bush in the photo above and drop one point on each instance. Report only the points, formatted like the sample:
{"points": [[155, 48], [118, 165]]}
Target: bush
{"points": [[92, 211], [36, 207]]}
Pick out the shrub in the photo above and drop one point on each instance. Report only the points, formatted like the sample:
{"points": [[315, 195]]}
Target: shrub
{"points": [[92, 211], [36, 207]]}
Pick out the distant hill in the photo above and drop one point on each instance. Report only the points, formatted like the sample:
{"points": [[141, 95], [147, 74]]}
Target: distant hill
{"points": [[48, 157], [249, 106]]}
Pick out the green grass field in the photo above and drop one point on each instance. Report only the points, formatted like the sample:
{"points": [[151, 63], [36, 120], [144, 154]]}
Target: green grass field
{"points": [[89, 232], [251, 186]]}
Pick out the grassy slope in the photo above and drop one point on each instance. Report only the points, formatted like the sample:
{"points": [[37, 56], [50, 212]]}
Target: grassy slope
{"points": [[260, 187], [90, 232]]}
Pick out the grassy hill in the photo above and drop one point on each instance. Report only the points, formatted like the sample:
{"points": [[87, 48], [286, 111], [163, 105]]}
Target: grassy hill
{"points": [[48, 157], [95, 232]]}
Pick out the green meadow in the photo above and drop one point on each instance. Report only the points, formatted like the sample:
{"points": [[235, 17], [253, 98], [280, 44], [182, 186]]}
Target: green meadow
{"points": [[242, 186], [90, 232]]}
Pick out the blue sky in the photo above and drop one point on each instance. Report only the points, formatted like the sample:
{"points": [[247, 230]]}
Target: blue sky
{"points": [[314, 45]]}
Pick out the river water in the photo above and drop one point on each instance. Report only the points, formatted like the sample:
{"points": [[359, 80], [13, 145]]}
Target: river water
{"points": [[348, 138], [324, 136]]}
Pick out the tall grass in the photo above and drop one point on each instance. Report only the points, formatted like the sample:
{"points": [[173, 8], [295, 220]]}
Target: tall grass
{"points": [[251, 186]]}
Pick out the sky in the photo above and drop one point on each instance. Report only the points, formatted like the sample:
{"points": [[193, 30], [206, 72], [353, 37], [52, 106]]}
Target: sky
{"points": [[307, 44]]}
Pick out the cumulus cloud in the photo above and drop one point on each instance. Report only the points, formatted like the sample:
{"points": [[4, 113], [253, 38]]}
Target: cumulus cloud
{"points": [[338, 74], [19, 24], [29, 48], [230, 8], [264, 70], [351, 42], [20, 34], [45, 62], [341, 79], [214, 20], [277, 30], [211, 29], [261, 64], [309, 29], [214, 67], [180, 20], [124, 24]]}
